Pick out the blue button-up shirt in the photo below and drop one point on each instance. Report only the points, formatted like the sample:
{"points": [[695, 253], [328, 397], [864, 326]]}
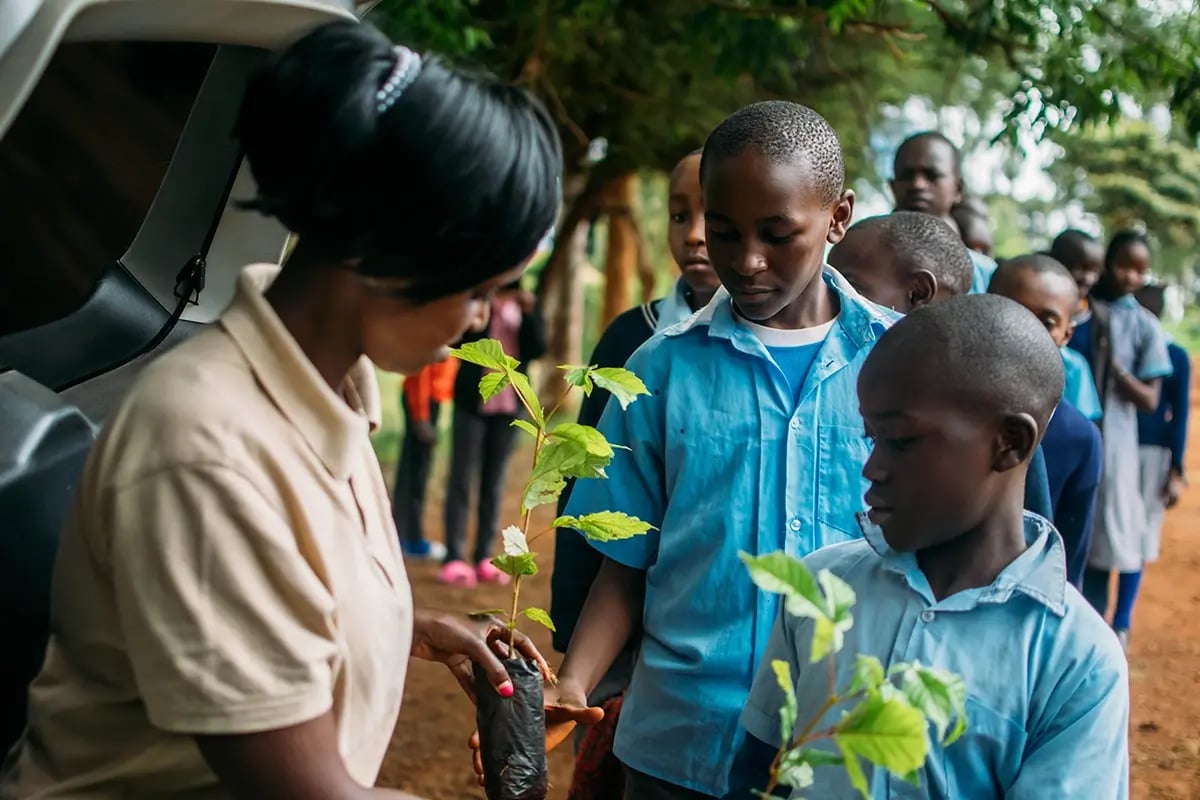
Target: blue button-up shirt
{"points": [[722, 458], [984, 268], [1048, 693]]}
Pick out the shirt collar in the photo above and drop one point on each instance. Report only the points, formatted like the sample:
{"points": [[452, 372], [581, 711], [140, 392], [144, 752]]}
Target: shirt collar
{"points": [[332, 423], [1040, 572], [861, 320], [674, 307], [1125, 301]]}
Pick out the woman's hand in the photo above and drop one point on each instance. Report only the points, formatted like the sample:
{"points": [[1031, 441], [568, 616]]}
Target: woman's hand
{"points": [[566, 706], [457, 641]]}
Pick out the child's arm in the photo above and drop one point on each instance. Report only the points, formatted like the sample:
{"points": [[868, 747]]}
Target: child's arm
{"points": [[612, 611], [1083, 751], [1180, 402], [1141, 382]]}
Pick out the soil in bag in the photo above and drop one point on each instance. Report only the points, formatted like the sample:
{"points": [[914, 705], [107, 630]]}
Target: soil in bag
{"points": [[512, 734]]}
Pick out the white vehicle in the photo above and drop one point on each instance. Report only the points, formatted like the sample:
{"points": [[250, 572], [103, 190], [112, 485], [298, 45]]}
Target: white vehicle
{"points": [[120, 235]]}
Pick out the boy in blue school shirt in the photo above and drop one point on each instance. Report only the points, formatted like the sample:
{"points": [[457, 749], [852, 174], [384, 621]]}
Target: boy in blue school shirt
{"points": [[954, 574], [905, 260], [751, 440], [927, 177], [1074, 454]]}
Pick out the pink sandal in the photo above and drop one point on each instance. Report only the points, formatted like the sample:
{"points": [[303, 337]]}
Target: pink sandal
{"points": [[487, 572], [457, 573]]}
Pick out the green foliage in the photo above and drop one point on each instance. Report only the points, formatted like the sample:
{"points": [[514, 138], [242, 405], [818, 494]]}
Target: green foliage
{"points": [[886, 713], [568, 450], [1132, 175]]}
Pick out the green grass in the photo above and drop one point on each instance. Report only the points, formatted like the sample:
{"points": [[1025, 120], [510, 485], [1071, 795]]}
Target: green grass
{"points": [[1186, 332]]}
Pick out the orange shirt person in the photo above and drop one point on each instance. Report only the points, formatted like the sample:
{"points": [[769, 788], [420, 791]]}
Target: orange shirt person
{"points": [[422, 398]]}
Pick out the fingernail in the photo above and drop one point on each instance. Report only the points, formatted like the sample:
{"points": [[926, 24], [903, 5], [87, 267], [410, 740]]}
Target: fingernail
{"points": [[506, 689]]}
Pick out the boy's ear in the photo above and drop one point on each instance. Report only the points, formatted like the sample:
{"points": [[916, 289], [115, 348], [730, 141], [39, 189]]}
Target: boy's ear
{"points": [[922, 288], [843, 213], [1016, 442], [1070, 329]]}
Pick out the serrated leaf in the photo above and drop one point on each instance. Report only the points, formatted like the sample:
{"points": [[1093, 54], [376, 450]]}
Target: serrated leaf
{"points": [[830, 628], [788, 711], [868, 674], [779, 573], [521, 566], [515, 543], [540, 616], [940, 696], [794, 771], [520, 382], [839, 596], [589, 441], [579, 376], [486, 353], [605, 526], [525, 426], [889, 733], [623, 385], [492, 384]]}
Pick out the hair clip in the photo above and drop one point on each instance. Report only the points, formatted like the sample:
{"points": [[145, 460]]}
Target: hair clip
{"points": [[408, 67]]}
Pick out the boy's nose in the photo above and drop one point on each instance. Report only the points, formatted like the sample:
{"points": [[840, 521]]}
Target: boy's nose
{"points": [[750, 264], [695, 234]]}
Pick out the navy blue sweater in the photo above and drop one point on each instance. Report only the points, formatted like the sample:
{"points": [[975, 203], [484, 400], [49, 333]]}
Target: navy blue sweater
{"points": [[1167, 425], [1073, 460]]}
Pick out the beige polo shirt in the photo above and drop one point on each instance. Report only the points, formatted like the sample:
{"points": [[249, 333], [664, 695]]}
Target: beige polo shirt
{"points": [[230, 565]]}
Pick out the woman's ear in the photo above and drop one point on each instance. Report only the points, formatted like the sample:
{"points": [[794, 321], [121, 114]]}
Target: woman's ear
{"points": [[843, 213], [1015, 442], [922, 288]]}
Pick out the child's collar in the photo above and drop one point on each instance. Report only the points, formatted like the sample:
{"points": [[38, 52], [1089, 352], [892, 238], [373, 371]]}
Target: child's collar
{"points": [[863, 321], [1039, 572]]}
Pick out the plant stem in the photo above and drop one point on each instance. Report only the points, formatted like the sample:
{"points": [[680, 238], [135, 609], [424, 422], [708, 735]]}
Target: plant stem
{"points": [[803, 737]]}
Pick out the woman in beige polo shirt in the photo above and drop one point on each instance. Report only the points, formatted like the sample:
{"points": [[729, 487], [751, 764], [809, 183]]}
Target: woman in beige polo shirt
{"points": [[231, 615]]}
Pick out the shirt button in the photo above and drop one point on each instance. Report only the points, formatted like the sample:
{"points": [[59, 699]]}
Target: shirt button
{"points": [[795, 524], [795, 425], [927, 616]]}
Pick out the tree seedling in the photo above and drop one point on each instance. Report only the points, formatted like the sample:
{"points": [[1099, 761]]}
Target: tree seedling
{"points": [[511, 731], [886, 713]]}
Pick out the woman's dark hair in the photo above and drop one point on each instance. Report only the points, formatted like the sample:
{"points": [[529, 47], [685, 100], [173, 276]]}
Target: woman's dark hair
{"points": [[453, 184], [1120, 241]]}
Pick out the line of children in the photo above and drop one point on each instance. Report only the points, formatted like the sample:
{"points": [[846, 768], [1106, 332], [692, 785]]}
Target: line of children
{"points": [[751, 440], [483, 441], [928, 178], [1071, 442], [598, 774], [907, 259], [422, 398], [952, 574], [1127, 348]]}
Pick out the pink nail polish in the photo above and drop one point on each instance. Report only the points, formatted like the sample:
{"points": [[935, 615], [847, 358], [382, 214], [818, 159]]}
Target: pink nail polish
{"points": [[506, 689]]}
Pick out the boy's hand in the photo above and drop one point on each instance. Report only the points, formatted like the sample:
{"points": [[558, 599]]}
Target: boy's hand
{"points": [[566, 707], [1173, 491], [424, 432]]}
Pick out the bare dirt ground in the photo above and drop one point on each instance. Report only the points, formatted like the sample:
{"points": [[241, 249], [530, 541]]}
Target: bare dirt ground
{"points": [[428, 755]]}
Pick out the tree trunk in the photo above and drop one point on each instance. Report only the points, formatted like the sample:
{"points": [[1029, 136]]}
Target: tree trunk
{"points": [[619, 204]]}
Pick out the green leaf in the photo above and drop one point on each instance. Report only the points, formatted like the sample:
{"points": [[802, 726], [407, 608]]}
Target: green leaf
{"points": [[624, 386], [515, 543], [887, 732], [829, 630], [605, 526], [520, 382], [854, 770], [868, 674], [492, 384], [525, 426], [788, 711], [821, 758], [542, 489], [779, 573], [794, 770], [580, 377], [593, 448], [940, 696], [519, 566], [539, 616], [486, 353]]}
